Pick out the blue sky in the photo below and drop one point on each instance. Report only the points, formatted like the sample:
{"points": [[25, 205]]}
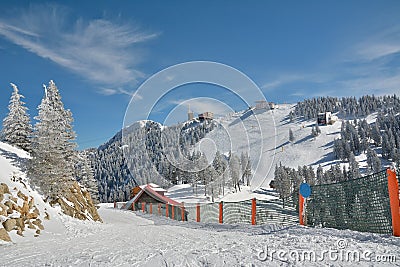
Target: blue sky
{"points": [[99, 53]]}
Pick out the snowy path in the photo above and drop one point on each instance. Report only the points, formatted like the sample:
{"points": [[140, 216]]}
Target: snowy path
{"points": [[127, 239]]}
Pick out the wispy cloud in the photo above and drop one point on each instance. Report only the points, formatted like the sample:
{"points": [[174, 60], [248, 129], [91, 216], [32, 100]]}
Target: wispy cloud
{"points": [[370, 65], [383, 44], [99, 50], [288, 78]]}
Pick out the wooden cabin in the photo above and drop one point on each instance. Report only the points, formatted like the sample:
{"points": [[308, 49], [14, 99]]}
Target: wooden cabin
{"points": [[150, 193]]}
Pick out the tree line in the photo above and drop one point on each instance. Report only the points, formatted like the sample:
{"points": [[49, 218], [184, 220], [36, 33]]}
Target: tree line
{"points": [[379, 139]]}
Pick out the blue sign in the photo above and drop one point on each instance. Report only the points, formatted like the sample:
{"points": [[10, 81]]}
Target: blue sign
{"points": [[305, 190]]}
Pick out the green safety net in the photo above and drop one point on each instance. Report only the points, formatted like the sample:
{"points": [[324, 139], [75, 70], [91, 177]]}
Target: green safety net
{"points": [[237, 212], [274, 212], [209, 213], [191, 213], [267, 212], [361, 204]]}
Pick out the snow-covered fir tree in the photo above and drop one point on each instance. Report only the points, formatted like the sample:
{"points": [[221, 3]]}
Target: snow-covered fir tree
{"points": [[17, 127], [234, 169], [52, 166], [291, 136], [246, 168], [85, 175]]}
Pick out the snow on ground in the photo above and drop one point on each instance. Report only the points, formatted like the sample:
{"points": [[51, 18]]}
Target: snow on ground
{"points": [[13, 164], [185, 193], [127, 238], [134, 239], [265, 136]]}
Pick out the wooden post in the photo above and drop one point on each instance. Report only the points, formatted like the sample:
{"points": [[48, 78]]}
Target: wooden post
{"points": [[159, 209], [183, 212], [151, 208], [143, 206], [133, 206], [221, 212], [198, 213], [301, 206], [393, 187], [166, 210], [115, 204], [253, 211], [173, 212]]}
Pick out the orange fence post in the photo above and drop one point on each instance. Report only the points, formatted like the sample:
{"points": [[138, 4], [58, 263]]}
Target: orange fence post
{"points": [[393, 187], [151, 208], [221, 212], [133, 206], [253, 211], [183, 212], [173, 212], [301, 206], [143, 206], [159, 209], [166, 210], [198, 213]]}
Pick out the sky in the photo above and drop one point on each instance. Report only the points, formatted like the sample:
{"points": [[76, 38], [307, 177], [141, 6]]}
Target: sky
{"points": [[100, 53]]}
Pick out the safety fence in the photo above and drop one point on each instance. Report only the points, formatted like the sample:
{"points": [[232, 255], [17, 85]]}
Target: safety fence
{"points": [[366, 204], [254, 211], [363, 204]]}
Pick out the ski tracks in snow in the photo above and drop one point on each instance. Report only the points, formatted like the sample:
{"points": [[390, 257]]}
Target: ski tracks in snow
{"points": [[129, 239]]}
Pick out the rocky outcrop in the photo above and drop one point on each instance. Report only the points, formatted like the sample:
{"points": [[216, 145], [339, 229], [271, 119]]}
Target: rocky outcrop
{"points": [[4, 235], [17, 212], [77, 203]]}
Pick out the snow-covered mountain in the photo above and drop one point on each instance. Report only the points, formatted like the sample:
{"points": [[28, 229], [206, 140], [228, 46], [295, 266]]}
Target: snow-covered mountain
{"points": [[367, 125], [129, 238], [137, 155]]}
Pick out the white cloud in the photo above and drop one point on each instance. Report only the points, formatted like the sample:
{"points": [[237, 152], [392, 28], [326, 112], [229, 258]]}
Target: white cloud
{"points": [[384, 43], [99, 50], [379, 50]]}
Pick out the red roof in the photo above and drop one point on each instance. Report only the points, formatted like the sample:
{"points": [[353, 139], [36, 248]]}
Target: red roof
{"points": [[150, 191]]}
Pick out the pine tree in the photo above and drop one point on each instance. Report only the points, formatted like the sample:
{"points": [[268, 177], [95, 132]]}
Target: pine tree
{"points": [[234, 168], [246, 168], [376, 134], [85, 176], [320, 175], [52, 166], [283, 184], [354, 170], [291, 136], [17, 127]]}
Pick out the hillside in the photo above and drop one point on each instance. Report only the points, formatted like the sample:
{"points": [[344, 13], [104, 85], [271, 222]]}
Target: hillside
{"points": [[366, 130], [23, 211], [270, 142]]}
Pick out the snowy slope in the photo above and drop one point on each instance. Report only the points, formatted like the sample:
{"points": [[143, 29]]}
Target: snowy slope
{"points": [[131, 239], [185, 193], [13, 164], [265, 136]]}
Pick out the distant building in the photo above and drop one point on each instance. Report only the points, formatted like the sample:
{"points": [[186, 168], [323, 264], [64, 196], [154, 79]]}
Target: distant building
{"points": [[190, 114], [325, 118], [206, 116], [150, 193], [262, 104]]}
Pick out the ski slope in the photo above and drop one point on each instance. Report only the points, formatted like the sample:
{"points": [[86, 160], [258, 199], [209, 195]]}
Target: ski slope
{"points": [[127, 238], [265, 136]]}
